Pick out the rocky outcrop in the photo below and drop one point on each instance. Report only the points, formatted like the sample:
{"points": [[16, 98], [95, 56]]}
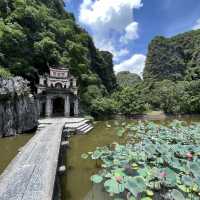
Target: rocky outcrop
{"points": [[176, 58], [18, 109]]}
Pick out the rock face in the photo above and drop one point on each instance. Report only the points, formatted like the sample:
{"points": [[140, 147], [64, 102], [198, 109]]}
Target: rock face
{"points": [[176, 58], [18, 109]]}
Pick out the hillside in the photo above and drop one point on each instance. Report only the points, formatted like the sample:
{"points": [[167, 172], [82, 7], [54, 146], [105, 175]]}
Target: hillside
{"points": [[35, 34], [127, 79], [176, 58]]}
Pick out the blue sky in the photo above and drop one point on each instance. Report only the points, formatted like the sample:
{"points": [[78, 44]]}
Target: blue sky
{"points": [[125, 27]]}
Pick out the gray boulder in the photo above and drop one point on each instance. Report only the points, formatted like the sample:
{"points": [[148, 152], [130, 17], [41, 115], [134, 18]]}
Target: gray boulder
{"points": [[18, 109]]}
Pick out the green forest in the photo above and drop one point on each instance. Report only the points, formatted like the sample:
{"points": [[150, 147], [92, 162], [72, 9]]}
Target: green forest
{"points": [[36, 34]]}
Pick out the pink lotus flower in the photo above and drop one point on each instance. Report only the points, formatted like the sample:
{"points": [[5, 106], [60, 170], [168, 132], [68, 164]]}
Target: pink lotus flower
{"points": [[118, 178], [163, 174], [189, 156]]}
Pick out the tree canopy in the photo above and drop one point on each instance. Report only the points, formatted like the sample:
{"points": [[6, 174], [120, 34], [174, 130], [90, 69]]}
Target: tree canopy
{"points": [[36, 34]]}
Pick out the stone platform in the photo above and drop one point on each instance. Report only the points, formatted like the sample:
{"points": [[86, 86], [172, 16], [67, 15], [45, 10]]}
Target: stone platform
{"points": [[78, 125]]}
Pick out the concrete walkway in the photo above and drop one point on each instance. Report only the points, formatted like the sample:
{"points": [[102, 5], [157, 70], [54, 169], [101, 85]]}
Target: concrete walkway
{"points": [[31, 175]]}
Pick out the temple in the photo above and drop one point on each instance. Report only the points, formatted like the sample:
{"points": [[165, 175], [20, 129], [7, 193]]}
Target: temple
{"points": [[58, 94]]}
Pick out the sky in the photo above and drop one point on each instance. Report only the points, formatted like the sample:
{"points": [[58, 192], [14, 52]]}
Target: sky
{"points": [[126, 27]]}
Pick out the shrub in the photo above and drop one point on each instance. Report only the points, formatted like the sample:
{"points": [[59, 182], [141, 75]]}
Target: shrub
{"points": [[4, 73]]}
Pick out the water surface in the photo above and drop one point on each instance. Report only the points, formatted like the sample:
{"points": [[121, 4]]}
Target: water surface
{"points": [[9, 148]]}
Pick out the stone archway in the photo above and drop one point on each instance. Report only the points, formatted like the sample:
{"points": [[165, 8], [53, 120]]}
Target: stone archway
{"points": [[58, 85], [58, 106]]}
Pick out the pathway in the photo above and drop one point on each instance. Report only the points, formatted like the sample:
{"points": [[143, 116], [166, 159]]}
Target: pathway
{"points": [[31, 175]]}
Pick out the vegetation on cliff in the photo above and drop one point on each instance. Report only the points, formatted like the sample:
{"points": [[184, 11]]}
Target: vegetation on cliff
{"points": [[175, 58], [36, 34], [127, 79], [4, 73], [172, 73]]}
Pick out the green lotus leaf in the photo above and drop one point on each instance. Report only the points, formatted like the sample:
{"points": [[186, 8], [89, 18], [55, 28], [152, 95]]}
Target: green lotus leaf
{"points": [[149, 193], [187, 180], [136, 185], [195, 168], [120, 132], [84, 156], [174, 163], [149, 148], [170, 177], [119, 149], [195, 188], [96, 154], [177, 195], [96, 178], [112, 186], [143, 172], [119, 172], [197, 181], [183, 188], [108, 175], [146, 198]]}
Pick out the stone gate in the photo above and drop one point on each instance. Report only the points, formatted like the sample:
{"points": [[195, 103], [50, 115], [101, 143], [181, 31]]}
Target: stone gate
{"points": [[58, 93]]}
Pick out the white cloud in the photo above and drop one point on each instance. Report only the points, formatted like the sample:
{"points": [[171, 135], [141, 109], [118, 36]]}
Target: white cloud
{"points": [[106, 13], [131, 33], [109, 21], [197, 25], [134, 64], [122, 52], [107, 45]]}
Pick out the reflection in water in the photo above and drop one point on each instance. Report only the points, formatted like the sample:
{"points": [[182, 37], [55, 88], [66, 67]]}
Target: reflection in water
{"points": [[76, 184], [9, 148]]}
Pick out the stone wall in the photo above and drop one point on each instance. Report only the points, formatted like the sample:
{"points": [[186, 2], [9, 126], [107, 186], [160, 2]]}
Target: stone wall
{"points": [[18, 109]]}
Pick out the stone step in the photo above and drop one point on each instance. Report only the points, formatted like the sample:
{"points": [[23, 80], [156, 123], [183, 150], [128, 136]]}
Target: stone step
{"points": [[75, 120], [76, 125], [82, 126], [89, 129], [85, 128]]}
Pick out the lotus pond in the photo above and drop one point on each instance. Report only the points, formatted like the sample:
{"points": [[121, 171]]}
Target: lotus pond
{"points": [[131, 159]]}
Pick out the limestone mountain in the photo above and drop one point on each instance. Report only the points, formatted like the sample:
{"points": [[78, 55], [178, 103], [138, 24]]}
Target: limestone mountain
{"points": [[36, 34], [175, 58]]}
